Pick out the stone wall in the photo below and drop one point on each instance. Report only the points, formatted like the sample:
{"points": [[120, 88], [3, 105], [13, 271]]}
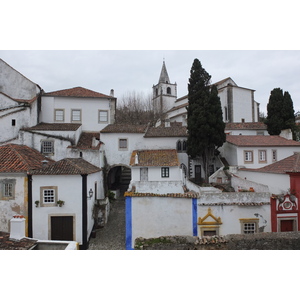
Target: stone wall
{"points": [[259, 241]]}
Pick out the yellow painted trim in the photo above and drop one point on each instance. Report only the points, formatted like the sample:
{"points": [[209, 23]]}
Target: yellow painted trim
{"points": [[201, 221]]}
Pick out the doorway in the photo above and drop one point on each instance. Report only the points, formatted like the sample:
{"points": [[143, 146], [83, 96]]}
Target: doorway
{"points": [[62, 228], [198, 173], [287, 225]]}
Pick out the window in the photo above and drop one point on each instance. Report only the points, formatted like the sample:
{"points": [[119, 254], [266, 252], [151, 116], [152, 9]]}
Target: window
{"points": [[169, 90], [164, 172], [48, 147], [76, 115], [249, 226], [13, 122], [184, 145], [248, 156], [226, 113], [144, 174], [179, 146], [262, 155], [274, 155], [7, 189], [48, 195], [123, 145], [59, 115], [103, 116]]}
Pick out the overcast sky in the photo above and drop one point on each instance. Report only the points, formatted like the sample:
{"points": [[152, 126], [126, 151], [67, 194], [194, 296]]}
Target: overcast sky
{"points": [[129, 70]]}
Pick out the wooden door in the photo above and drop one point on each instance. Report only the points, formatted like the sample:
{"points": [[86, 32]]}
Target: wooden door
{"points": [[286, 225], [198, 173], [62, 228]]}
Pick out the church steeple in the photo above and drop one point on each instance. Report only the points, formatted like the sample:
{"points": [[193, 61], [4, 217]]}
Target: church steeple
{"points": [[164, 77], [164, 93]]}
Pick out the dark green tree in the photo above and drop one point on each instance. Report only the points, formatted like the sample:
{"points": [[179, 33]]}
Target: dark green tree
{"points": [[205, 118], [280, 112]]}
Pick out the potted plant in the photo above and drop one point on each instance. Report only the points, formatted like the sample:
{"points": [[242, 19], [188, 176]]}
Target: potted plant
{"points": [[60, 203], [37, 202]]}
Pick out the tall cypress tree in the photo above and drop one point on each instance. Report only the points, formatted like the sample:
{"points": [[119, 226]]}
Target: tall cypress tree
{"points": [[280, 111], [205, 119]]}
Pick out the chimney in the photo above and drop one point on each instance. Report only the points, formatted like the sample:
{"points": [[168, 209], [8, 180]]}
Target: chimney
{"points": [[136, 159], [112, 93], [17, 228], [167, 123]]}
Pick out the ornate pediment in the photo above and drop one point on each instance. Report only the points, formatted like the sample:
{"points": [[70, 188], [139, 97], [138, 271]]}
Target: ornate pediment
{"points": [[209, 219]]}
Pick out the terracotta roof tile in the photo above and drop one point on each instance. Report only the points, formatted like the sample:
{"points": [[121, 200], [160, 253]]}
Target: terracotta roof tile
{"points": [[155, 158], [175, 130], [246, 126], [79, 92], [260, 141], [7, 244], [290, 164], [67, 166], [55, 127], [86, 141], [20, 158], [124, 128]]}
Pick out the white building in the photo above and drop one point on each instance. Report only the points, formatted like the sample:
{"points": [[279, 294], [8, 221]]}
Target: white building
{"points": [[19, 98], [75, 182]]}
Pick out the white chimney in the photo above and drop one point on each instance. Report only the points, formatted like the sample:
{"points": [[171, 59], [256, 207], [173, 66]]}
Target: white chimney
{"points": [[112, 93], [17, 228], [136, 159]]}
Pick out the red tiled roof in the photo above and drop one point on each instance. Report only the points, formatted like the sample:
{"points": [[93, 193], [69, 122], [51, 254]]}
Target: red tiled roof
{"points": [[290, 164], [175, 130], [86, 141], [55, 127], [246, 126], [7, 244], [67, 166], [20, 158], [77, 92], [124, 128], [155, 158], [260, 141], [20, 100]]}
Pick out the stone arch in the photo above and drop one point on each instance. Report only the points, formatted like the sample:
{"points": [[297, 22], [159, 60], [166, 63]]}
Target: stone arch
{"points": [[118, 177]]}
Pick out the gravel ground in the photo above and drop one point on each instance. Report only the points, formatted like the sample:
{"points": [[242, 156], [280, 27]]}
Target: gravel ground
{"points": [[112, 236]]}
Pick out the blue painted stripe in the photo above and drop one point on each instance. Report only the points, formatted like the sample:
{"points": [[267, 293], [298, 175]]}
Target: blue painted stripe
{"points": [[128, 219], [194, 208]]}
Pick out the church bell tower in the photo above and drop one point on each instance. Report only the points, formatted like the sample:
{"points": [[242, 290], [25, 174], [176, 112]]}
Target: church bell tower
{"points": [[164, 93]]}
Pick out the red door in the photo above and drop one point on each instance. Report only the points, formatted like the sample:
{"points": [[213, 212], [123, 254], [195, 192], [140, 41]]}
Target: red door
{"points": [[286, 225]]}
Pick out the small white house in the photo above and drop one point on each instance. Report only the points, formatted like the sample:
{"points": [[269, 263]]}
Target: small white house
{"points": [[256, 151], [63, 199], [156, 171]]}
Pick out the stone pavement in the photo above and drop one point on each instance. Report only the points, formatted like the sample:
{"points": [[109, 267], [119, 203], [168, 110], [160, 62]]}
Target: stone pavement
{"points": [[112, 236]]}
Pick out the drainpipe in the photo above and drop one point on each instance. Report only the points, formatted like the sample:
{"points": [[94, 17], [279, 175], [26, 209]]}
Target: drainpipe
{"points": [[84, 212], [29, 184]]}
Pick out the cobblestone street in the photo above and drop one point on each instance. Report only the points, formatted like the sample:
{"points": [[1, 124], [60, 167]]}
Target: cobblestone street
{"points": [[112, 236]]}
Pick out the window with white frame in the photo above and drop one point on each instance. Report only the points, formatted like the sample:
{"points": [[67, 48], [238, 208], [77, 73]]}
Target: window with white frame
{"points": [[123, 144], [59, 115], [48, 195], [248, 156], [76, 115], [165, 172], [47, 147], [262, 155], [103, 116], [249, 226]]}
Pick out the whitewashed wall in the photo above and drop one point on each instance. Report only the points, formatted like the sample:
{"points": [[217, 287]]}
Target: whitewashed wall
{"points": [[277, 183], [230, 213], [89, 110], [69, 189], [155, 217]]}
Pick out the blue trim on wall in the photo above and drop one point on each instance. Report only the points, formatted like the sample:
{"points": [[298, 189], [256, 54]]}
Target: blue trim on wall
{"points": [[195, 217], [128, 220]]}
